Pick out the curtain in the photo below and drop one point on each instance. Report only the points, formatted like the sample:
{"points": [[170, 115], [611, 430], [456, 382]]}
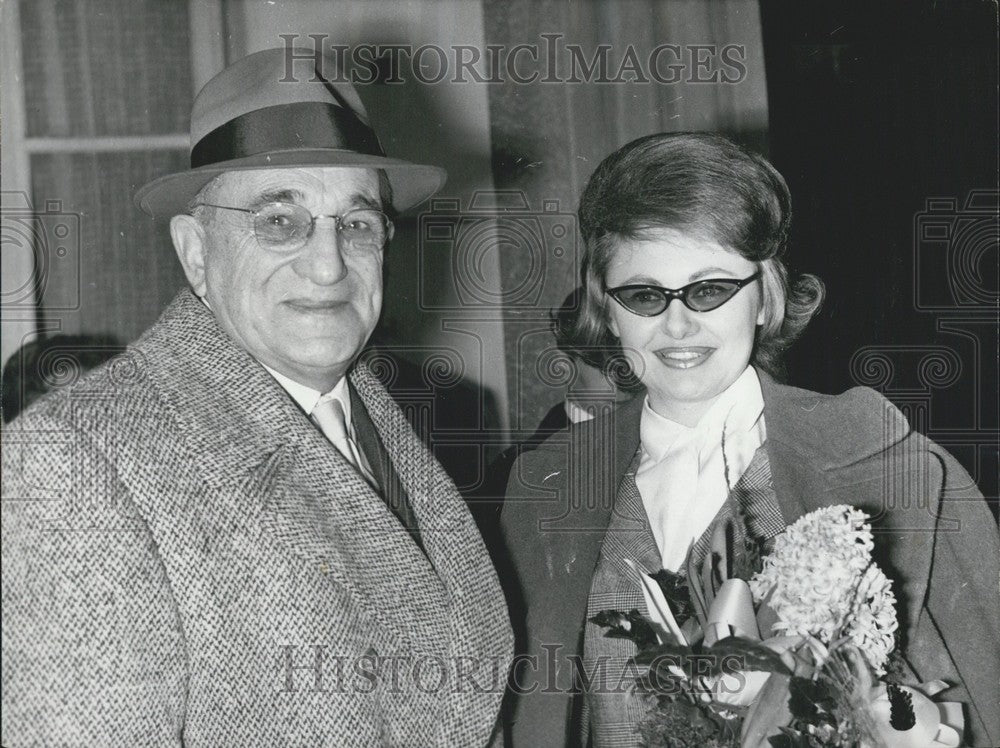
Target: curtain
{"points": [[667, 68]]}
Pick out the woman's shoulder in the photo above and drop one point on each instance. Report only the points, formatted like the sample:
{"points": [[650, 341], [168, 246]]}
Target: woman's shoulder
{"points": [[847, 427], [862, 403], [583, 445], [614, 423]]}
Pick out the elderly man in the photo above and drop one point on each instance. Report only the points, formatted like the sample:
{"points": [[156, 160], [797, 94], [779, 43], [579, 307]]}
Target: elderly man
{"points": [[230, 535]]}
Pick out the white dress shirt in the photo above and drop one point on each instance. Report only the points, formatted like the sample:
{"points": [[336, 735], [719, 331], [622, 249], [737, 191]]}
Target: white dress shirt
{"points": [[682, 475], [307, 398]]}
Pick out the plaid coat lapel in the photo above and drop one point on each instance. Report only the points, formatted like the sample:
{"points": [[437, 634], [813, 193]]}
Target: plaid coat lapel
{"points": [[753, 496], [629, 536]]}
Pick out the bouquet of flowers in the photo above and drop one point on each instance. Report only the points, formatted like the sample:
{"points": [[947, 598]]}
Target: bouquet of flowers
{"points": [[819, 677]]}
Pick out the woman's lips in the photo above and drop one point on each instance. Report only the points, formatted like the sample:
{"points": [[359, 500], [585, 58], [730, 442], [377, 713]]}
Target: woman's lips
{"points": [[684, 358]]}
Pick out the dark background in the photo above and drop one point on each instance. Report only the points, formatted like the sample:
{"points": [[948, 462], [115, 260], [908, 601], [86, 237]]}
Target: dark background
{"points": [[875, 110]]}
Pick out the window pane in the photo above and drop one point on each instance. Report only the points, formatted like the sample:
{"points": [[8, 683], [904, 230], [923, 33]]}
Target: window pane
{"points": [[104, 266], [106, 67]]}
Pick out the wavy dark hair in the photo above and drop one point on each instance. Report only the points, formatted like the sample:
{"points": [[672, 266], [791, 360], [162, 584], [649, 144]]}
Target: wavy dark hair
{"points": [[704, 186]]}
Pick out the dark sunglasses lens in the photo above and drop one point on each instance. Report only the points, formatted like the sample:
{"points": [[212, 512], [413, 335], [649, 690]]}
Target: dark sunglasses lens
{"points": [[647, 302], [279, 225], [708, 295]]}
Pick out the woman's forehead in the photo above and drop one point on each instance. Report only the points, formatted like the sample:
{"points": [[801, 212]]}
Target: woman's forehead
{"points": [[678, 256]]}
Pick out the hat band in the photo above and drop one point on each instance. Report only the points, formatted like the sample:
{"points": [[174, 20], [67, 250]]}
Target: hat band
{"points": [[305, 125]]}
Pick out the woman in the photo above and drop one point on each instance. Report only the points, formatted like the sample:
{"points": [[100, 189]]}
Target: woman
{"points": [[684, 236]]}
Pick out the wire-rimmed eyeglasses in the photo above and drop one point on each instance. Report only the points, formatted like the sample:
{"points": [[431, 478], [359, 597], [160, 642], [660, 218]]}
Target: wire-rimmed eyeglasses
{"points": [[285, 227]]}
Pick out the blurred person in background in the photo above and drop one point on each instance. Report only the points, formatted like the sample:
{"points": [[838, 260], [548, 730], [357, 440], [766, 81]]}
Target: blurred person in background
{"points": [[49, 363]]}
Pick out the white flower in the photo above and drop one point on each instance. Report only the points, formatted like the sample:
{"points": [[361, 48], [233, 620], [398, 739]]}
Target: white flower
{"points": [[820, 581], [872, 622]]}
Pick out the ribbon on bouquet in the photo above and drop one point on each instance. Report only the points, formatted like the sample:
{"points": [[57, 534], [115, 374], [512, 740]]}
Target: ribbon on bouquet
{"points": [[730, 614], [935, 724]]}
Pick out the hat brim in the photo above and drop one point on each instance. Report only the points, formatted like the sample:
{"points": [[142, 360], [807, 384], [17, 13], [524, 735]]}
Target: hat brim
{"points": [[171, 194]]}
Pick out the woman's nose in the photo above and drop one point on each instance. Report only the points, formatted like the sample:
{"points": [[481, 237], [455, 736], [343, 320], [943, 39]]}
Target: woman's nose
{"points": [[678, 321], [321, 260]]}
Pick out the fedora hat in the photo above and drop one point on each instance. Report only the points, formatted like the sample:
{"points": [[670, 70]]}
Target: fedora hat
{"points": [[274, 109]]}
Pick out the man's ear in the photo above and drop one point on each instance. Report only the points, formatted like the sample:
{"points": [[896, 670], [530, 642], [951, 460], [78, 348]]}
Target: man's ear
{"points": [[190, 243]]}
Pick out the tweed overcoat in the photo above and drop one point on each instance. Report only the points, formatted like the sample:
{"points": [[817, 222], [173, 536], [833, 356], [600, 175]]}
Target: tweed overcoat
{"points": [[187, 560], [935, 537]]}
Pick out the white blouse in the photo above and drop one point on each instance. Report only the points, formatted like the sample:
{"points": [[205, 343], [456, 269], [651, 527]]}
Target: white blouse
{"points": [[682, 472]]}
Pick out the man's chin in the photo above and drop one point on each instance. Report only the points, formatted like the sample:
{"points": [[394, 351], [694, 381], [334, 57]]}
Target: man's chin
{"points": [[319, 356]]}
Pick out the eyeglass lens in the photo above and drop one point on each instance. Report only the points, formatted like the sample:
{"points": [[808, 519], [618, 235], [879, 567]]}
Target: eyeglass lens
{"points": [[287, 226], [702, 296]]}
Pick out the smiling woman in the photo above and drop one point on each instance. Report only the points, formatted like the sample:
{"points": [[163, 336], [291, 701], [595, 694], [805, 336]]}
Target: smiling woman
{"points": [[716, 447], [685, 357], [694, 188]]}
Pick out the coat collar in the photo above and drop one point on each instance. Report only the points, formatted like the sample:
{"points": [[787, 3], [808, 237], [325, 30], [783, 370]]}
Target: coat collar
{"points": [[252, 444], [830, 431], [233, 414], [811, 439]]}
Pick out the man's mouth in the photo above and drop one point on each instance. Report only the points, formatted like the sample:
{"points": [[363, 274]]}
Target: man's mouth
{"points": [[315, 306], [684, 358]]}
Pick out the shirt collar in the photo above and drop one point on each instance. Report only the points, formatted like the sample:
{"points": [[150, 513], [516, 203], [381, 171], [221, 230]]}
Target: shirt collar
{"points": [[307, 398], [738, 408]]}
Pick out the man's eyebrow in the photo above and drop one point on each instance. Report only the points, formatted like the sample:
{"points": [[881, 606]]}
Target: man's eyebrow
{"points": [[279, 196], [358, 199], [364, 201]]}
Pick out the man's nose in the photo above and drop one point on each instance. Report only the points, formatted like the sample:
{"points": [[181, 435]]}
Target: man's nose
{"points": [[321, 259], [678, 321]]}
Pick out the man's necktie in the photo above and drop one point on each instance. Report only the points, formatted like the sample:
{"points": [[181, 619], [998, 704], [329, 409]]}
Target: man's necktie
{"points": [[329, 416]]}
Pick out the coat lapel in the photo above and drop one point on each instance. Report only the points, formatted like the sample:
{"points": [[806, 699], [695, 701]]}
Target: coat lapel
{"points": [[466, 584], [259, 451], [857, 449], [630, 539]]}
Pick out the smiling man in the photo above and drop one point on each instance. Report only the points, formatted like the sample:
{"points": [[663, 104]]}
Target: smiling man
{"points": [[230, 535]]}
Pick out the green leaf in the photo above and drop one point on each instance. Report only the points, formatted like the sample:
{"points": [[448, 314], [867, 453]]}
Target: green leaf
{"points": [[790, 738], [722, 538], [804, 697], [697, 596], [679, 652], [632, 626], [768, 714], [708, 587], [677, 593], [753, 654]]}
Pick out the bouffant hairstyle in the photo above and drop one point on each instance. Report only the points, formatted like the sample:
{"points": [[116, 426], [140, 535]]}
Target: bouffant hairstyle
{"points": [[707, 187]]}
